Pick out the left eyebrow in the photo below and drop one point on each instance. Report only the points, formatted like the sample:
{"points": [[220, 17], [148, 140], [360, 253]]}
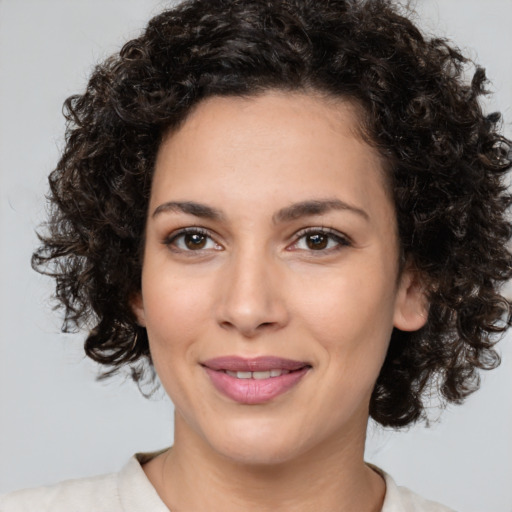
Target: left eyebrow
{"points": [[315, 207]]}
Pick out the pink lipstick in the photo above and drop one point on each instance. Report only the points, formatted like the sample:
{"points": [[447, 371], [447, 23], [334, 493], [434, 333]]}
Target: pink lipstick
{"points": [[254, 381]]}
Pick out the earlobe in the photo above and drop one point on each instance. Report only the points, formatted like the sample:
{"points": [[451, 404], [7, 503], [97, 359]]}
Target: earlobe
{"points": [[137, 305], [411, 307]]}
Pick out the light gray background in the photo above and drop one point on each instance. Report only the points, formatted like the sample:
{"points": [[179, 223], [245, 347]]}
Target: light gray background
{"points": [[56, 421]]}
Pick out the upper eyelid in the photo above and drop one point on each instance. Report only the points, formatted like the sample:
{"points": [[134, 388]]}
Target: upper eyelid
{"points": [[186, 230], [189, 229], [322, 229]]}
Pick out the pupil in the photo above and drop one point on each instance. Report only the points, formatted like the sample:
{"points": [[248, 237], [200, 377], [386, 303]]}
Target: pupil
{"points": [[317, 241], [195, 241]]}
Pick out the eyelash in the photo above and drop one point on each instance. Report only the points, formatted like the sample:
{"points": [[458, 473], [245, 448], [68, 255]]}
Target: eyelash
{"points": [[170, 241], [332, 235]]}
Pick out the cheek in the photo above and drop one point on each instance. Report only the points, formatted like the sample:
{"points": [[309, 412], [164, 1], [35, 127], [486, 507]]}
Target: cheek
{"points": [[352, 318], [174, 315], [169, 295], [175, 311]]}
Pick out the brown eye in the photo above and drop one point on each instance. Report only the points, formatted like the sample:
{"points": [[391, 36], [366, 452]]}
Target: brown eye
{"points": [[191, 240], [194, 241], [317, 241], [320, 240]]}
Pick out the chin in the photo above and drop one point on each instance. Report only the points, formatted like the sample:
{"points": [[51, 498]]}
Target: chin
{"points": [[256, 444]]}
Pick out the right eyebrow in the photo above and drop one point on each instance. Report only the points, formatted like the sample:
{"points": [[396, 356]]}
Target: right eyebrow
{"points": [[190, 207]]}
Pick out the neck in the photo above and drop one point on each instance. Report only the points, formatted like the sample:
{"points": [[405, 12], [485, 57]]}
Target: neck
{"points": [[192, 476]]}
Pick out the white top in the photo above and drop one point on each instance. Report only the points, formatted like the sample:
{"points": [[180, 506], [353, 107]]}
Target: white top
{"points": [[130, 491]]}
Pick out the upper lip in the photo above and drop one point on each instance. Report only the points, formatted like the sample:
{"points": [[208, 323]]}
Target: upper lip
{"points": [[263, 363]]}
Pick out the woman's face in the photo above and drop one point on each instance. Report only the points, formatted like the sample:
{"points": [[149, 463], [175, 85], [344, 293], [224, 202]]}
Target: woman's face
{"points": [[270, 279]]}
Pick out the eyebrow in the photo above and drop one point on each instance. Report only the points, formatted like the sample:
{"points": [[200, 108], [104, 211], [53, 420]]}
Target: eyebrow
{"points": [[190, 207], [292, 212], [315, 207]]}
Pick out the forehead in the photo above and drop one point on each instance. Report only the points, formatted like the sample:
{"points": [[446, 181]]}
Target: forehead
{"points": [[297, 144]]}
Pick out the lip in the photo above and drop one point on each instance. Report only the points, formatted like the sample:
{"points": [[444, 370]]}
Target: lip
{"points": [[254, 364], [254, 391]]}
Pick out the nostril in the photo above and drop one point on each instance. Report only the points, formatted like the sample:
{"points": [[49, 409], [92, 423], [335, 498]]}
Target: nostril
{"points": [[248, 330], [227, 325]]}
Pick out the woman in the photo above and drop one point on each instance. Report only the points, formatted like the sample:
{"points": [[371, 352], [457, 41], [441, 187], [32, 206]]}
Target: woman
{"points": [[294, 212]]}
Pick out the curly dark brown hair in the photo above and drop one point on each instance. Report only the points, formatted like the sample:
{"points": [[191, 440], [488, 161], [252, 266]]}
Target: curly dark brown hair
{"points": [[446, 162]]}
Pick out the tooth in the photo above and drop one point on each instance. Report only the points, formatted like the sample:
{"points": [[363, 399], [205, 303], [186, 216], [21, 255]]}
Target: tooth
{"points": [[257, 375], [261, 375]]}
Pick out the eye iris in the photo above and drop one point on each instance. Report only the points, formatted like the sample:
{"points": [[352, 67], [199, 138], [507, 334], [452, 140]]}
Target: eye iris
{"points": [[317, 241], [195, 241]]}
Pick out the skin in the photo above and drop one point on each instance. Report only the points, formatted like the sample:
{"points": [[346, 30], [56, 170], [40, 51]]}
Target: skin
{"points": [[249, 284]]}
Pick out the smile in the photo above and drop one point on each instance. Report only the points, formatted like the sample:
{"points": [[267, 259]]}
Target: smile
{"points": [[257, 375], [254, 381]]}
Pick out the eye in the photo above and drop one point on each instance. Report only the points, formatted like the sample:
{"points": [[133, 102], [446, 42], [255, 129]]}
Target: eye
{"points": [[320, 239], [191, 239]]}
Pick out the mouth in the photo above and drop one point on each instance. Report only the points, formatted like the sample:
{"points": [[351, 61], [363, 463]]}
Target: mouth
{"points": [[268, 374], [254, 381]]}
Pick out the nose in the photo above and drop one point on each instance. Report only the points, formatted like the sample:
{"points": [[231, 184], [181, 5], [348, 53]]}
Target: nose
{"points": [[252, 294]]}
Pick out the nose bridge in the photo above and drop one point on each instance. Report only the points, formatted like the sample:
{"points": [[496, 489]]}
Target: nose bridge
{"points": [[251, 301]]}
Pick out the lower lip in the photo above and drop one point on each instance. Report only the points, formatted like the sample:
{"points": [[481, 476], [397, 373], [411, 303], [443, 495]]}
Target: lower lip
{"points": [[254, 391]]}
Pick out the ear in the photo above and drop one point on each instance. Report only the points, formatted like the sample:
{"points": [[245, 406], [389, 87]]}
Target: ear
{"points": [[137, 305], [411, 306]]}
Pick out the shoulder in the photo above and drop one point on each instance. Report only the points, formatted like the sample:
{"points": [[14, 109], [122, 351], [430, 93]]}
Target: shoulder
{"points": [[412, 502], [97, 493], [402, 499], [126, 491]]}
